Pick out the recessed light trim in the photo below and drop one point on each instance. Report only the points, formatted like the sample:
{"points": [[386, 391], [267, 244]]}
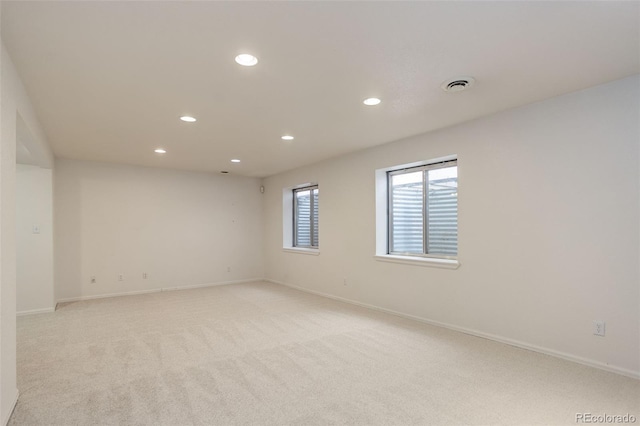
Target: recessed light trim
{"points": [[188, 119], [160, 151], [287, 138], [371, 101], [235, 160], [246, 60]]}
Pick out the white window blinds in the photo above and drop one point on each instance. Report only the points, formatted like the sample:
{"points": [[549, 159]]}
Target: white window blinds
{"points": [[423, 210], [305, 213]]}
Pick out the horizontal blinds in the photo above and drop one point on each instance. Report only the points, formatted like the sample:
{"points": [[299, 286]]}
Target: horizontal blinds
{"points": [[306, 217], [412, 210], [315, 218], [303, 222], [408, 219], [442, 212]]}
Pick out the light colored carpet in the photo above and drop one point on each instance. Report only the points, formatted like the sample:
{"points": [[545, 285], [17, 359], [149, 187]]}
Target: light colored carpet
{"points": [[264, 354]]}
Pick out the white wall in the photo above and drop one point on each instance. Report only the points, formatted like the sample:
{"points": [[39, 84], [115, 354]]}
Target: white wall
{"points": [[34, 205], [182, 229], [14, 103], [548, 224]]}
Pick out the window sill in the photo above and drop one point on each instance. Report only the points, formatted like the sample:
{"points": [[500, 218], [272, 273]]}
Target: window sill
{"points": [[300, 250], [419, 261]]}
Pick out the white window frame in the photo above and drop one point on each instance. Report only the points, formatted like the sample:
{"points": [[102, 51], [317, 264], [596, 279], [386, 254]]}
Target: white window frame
{"points": [[288, 216], [313, 244], [425, 216], [383, 232]]}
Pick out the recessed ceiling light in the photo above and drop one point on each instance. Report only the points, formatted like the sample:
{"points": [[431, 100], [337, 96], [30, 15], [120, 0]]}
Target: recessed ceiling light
{"points": [[371, 101], [188, 118], [287, 138], [457, 84], [235, 160], [246, 60], [160, 151]]}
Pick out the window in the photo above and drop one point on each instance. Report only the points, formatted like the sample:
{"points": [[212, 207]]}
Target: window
{"points": [[305, 217], [423, 210]]}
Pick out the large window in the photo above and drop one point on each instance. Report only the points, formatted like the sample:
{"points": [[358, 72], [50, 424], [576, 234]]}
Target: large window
{"points": [[423, 210], [305, 217]]}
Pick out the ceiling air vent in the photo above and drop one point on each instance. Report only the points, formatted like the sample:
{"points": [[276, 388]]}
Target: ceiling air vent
{"points": [[457, 84]]}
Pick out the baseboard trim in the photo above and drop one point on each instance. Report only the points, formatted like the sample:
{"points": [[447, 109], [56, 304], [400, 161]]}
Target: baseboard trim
{"points": [[189, 287], [105, 296], [155, 290], [35, 311], [5, 421], [519, 344]]}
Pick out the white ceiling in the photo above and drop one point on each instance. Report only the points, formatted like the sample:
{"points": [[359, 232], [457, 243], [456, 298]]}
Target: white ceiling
{"points": [[110, 79]]}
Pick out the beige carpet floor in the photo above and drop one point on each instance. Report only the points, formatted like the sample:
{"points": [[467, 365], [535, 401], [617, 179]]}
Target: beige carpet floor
{"points": [[263, 354]]}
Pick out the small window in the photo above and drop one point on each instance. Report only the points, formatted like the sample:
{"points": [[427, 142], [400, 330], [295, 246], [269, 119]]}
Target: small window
{"points": [[305, 217], [423, 210]]}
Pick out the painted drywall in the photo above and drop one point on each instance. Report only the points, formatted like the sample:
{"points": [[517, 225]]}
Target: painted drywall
{"points": [[15, 107], [34, 248], [548, 225], [182, 229]]}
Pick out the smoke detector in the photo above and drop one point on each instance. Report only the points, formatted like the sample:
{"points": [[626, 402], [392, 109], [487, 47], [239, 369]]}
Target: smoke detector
{"points": [[458, 84]]}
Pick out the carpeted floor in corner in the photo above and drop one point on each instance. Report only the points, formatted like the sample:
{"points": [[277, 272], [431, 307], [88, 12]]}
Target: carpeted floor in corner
{"points": [[264, 354]]}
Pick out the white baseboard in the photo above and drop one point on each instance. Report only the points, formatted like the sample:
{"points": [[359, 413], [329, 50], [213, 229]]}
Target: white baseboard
{"points": [[7, 416], [155, 290], [472, 332], [107, 295], [35, 311], [189, 287]]}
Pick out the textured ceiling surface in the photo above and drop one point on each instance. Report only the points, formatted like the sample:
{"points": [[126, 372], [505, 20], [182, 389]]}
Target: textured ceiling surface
{"points": [[110, 79]]}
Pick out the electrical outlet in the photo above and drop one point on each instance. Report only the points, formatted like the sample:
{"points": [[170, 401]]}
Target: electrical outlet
{"points": [[228, 268], [93, 279], [120, 277], [344, 281], [598, 328], [144, 275]]}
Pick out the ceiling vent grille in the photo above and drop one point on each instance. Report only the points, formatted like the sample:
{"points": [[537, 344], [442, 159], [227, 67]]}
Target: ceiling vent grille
{"points": [[458, 84]]}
